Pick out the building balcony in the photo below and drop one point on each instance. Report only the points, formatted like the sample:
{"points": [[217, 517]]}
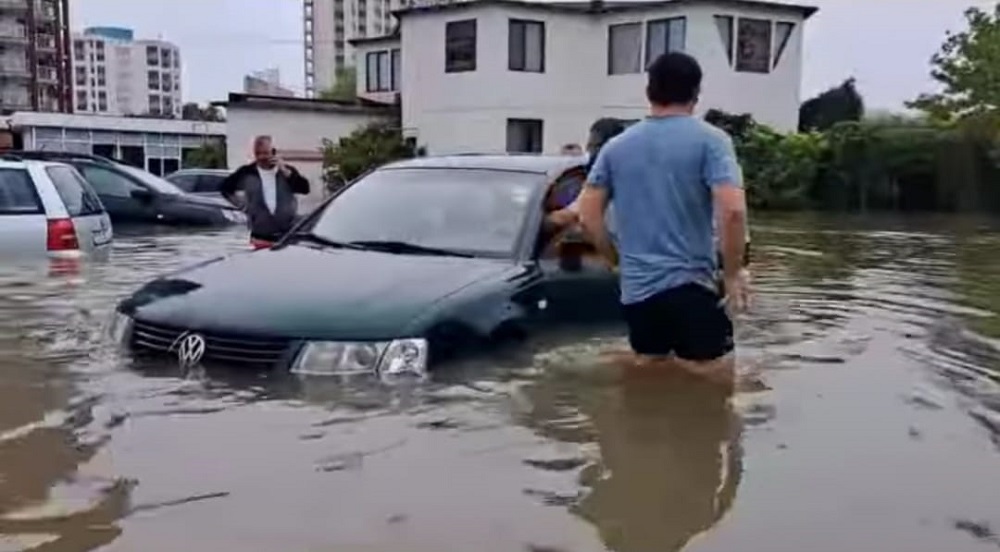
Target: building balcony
{"points": [[19, 6], [13, 70], [45, 43], [48, 75], [13, 34]]}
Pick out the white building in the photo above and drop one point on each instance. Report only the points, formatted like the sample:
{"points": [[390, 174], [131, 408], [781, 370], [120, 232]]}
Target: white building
{"points": [[115, 74], [329, 25], [156, 145], [34, 66], [519, 76]]}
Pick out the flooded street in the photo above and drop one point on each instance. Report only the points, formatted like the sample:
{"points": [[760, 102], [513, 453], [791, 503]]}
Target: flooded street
{"points": [[868, 419]]}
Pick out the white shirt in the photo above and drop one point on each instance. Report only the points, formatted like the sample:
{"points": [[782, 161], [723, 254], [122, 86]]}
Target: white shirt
{"points": [[269, 185]]}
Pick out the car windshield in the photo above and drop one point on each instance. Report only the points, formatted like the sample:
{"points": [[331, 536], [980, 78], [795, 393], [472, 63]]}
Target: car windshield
{"points": [[153, 181], [467, 211]]}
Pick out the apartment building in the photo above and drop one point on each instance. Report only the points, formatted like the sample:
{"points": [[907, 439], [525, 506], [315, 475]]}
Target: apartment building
{"points": [[329, 25], [34, 56], [527, 76], [115, 74]]}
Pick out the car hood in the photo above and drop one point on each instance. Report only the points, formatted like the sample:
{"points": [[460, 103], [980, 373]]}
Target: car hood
{"points": [[302, 292]]}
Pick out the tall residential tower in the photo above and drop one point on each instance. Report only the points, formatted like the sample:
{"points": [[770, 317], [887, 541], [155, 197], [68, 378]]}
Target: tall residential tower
{"points": [[34, 56], [327, 27]]}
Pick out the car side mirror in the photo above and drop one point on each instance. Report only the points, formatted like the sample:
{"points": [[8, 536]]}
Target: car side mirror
{"points": [[142, 195]]}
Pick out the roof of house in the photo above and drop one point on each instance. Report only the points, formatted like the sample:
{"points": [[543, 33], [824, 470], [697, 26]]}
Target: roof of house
{"points": [[596, 7], [259, 101], [392, 37]]}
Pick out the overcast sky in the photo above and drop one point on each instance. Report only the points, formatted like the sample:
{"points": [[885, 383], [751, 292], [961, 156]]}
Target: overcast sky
{"points": [[885, 44]]}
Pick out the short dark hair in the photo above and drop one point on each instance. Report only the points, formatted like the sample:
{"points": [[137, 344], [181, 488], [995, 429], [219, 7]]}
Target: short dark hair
{"points": [[674, 78]]}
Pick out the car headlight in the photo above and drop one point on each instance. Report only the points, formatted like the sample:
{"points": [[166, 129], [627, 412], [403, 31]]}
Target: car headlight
{"points": [[120, 328], [233, 215], [397, 359]]}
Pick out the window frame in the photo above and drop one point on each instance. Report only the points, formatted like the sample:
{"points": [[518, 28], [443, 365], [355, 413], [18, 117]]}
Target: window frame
{"points": [[665, 21], [780, 46], [452, 44], [740, 64], [395, 68], [374, 82], [611, 53], [511, 122], [521, 65]]}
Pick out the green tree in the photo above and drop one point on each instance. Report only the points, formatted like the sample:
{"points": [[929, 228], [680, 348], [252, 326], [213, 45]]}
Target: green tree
{"points": [[211, 155], [968, 70], [344, 88], [836, 105], [195, 112], [364, 149]]}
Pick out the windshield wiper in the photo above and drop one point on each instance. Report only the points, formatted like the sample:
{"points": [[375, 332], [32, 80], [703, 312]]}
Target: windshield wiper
{"points": [[390, 246], [320, 240]]}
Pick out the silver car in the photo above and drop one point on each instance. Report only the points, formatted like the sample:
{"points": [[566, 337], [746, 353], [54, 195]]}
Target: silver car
{"points": [[48, 209]]}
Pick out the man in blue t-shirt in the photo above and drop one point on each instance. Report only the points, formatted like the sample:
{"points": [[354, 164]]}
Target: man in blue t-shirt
{"points": [[668, 175]]}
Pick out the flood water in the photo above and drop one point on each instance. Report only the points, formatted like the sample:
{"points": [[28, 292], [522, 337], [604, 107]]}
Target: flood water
{"points": [[868, 418]]}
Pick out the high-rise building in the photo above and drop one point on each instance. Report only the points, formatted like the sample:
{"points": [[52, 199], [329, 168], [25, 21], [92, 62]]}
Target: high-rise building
{"points": [[327, 27], [34, 56], [115, 74], [266, 83]]}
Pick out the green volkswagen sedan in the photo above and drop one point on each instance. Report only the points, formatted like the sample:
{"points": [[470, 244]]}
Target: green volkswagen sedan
{"points": [[409, 266]]}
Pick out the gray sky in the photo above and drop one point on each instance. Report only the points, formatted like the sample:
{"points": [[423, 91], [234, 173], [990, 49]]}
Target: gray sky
{"points": [[885, 44]]}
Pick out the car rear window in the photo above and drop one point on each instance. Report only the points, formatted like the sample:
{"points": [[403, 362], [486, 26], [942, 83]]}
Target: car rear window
{"points": [[209, 183], [17, 193], [78, 197]]}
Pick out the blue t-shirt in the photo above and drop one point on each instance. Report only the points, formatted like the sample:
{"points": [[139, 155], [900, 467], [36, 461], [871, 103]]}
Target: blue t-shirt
{"points": [[660, 173]]}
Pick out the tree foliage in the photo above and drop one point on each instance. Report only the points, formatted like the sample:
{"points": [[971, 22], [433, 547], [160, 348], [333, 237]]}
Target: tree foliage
{"points": [[364, 149], [208, 113], [836, 105], [211, 155], [968, 69], [344, 88]]}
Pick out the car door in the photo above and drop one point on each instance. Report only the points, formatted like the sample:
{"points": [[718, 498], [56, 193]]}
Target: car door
{"points": [[23, 225], [575, 292], [121, 196]]}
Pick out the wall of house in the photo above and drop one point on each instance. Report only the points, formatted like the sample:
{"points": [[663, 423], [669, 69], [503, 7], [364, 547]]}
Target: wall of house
{"points": [[467, 111], [298, 136]]}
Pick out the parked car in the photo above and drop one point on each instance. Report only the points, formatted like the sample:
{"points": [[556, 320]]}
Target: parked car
{"points": [[132, 195], [47, 208], [417, 262], [199, 181]]}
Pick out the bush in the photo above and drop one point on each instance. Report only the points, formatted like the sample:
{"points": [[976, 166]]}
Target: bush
{"points": [[364, 149]]}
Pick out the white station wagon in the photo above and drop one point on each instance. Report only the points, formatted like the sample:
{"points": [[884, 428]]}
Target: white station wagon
{"points": [[48, 209]]}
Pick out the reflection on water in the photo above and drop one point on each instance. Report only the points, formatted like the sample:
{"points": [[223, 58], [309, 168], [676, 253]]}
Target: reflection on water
{"points": [[868, 419]]}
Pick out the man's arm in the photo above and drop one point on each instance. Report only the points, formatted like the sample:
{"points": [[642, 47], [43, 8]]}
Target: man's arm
{"points": [[231, 184], [591, 204], [298, 183], [723, 176]]}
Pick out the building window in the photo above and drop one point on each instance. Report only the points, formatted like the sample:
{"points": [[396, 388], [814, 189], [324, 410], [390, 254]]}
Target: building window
{"points": [[397, 68], [524, 136], [101, 77], [665, 35], [102, 101], [81, 76], [725, 25], [526, 46], [460, 46], [152, 56], [78, 51], [625, 48], [153, 80], [753, 45], [154, 104], [783, 33], [378, 73]]}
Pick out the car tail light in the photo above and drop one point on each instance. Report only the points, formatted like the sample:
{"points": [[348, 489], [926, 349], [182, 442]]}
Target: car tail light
{"points": [[62, 235]]}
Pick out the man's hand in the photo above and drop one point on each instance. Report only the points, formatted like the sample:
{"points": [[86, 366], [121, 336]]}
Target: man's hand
{"points": [[737, 298], [282, 167]]}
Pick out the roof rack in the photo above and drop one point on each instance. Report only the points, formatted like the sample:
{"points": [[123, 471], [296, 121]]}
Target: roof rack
{"points": [[44, 155]]}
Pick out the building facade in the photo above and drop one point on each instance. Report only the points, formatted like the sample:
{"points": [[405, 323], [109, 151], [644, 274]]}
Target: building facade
{"points": [[266, 83], [114, 74], [156, 145], [519, 76], [328, 27], [34, 56]]}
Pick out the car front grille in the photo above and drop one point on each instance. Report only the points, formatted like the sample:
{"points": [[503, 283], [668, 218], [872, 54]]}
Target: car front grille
{"points": [[261, 352]]}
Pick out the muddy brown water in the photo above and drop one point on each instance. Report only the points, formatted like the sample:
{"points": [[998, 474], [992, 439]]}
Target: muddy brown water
{"points": [[868, 419]]}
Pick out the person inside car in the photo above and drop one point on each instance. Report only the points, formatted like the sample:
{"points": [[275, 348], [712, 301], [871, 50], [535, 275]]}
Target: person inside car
{"points": [[269, 186]]}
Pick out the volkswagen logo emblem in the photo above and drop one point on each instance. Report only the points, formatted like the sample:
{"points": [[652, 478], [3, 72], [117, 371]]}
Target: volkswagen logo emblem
{"points": [[190, 349]]}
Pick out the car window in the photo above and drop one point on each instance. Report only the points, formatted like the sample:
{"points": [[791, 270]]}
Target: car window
{"points": [[149, 179], [474, 211], [186, 182], [209, 183], [17, 193], [566, 188], [108, 183], [79, 199]]}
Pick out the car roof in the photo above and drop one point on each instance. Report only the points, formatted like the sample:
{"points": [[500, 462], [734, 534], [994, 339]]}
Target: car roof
{"points": [[15, 163], [549, 165], [65, 156], [201, 171]]}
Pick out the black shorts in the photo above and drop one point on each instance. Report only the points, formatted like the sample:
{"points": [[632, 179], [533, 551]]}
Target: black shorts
{"points": [[687, 321]]}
